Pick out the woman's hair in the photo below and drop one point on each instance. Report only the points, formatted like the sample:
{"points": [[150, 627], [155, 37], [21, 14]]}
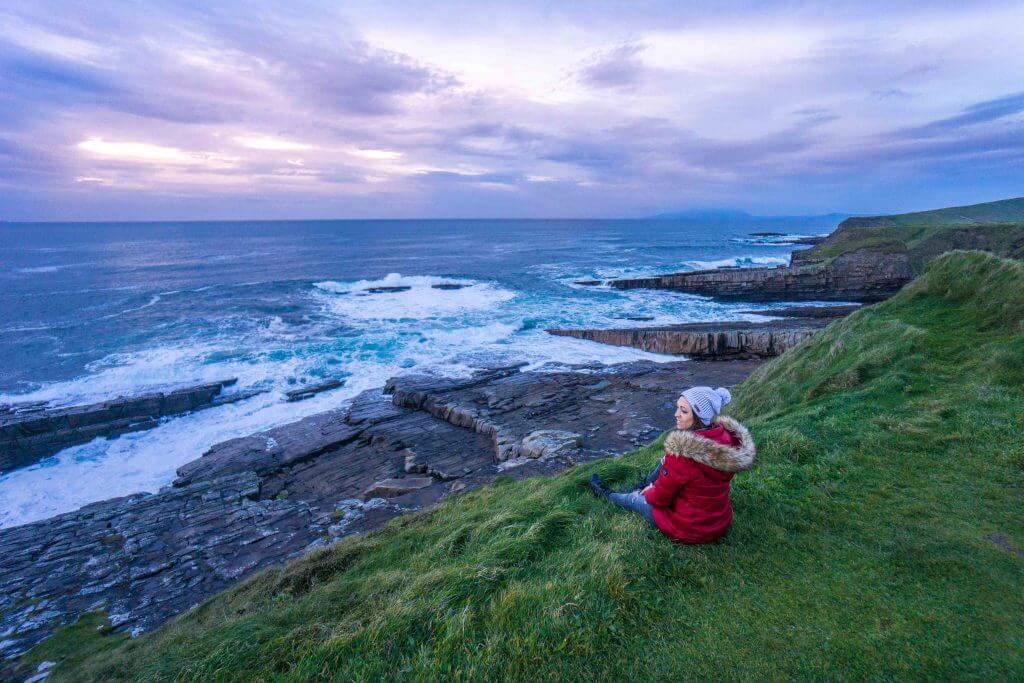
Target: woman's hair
{"points": [[697, 422]]}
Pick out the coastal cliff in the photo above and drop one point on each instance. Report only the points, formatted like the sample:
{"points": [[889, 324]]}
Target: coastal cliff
{"points": [[859, 275], [866, 259]]}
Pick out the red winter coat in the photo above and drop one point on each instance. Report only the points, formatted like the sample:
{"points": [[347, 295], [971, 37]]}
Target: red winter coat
{"points": [[690, 497]]}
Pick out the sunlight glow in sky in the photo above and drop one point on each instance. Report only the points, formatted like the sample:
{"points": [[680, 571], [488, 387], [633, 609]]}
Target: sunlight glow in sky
{"points": [[318, 109]]}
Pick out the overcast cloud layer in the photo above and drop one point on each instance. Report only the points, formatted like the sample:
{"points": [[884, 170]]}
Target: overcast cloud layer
{"points": [[168, 110]]}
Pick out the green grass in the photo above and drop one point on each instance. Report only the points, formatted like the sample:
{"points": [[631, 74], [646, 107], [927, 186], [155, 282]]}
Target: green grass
{"points": [[891, 448], [1002, 211], [90, 635]]}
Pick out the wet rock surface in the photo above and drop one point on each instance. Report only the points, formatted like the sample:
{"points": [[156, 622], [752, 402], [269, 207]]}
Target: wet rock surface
{"points": [[833, 312], [721, 340], [858, 275], [391, 488], [259, 500], [810, 240], [311, 390], [387, 290], [31, 432]]}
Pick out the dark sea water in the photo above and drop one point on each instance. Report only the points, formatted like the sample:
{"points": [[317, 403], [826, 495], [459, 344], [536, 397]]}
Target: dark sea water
{"points": [[92, 311]]}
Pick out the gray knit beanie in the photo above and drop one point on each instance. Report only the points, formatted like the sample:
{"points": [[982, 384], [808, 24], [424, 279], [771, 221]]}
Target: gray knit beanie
{"points": [[707, 402]]}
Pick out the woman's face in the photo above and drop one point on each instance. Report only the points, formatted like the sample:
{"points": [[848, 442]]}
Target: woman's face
{"points": [[684, 414]]}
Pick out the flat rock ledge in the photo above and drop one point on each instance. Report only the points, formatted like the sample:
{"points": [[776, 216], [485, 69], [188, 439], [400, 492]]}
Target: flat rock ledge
{"points": [[832, 312], [259, 500], [311, 390], [31, 432], [861, 275], [722, 341]]}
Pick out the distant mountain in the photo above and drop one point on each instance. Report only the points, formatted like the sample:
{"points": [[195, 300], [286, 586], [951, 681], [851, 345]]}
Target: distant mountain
{"points": [[728, 218], [1002, 211]]}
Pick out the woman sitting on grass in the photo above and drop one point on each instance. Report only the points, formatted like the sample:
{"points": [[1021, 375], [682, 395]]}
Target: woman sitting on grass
{"points": [[686, 497]]}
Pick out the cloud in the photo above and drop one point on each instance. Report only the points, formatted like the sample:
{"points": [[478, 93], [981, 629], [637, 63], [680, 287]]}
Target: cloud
{"points": [[267, 142], [148, 153], [38, 71], [384, 108], [620, 67], [378, 154], [980, 112], [891, 93], [360, 80]]}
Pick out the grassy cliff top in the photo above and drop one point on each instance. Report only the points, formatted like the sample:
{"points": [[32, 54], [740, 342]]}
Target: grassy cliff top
{"points": [[997, 227], [880, 537], [1002, 211]]}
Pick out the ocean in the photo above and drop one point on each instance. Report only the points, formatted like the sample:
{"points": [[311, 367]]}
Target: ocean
{"points": [[90, 311]]}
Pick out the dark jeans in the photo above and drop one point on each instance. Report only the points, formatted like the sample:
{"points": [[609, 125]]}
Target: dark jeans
{"points": [[635, 501]]}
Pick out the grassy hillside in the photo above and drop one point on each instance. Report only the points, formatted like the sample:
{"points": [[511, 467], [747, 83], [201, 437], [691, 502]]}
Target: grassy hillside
{"points": [[1002, 211], [997, 227], [881, 537]]}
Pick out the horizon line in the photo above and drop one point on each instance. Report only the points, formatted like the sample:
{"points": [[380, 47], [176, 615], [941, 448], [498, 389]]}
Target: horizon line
{"points": [[655, 217]]}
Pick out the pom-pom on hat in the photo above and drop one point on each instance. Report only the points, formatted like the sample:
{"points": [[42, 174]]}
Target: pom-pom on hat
{"points": [[706, 402]]}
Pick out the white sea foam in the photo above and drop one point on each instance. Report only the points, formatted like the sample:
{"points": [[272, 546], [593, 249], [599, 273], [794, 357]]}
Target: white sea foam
{"points": [[122, 374], [774, 240], [153, 301], [468, 337], [739, 261], [617, 273], [422, 300], [389, 280], [554, 351], [40, 269]]}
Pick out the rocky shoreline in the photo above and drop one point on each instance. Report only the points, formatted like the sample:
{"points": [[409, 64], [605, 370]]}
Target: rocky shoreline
{"points": [[708, 341], [31, 432], [864, 275], [721, 340], [252, 502]]}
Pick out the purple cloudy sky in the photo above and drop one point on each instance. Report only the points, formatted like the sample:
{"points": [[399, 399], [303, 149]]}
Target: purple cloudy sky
{"points": [[168, 110]]}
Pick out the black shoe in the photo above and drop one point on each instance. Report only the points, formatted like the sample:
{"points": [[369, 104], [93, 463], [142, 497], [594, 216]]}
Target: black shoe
{"points": [[598, 487]]}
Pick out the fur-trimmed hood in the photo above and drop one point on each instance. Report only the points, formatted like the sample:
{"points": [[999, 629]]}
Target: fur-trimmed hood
{"points": [[711, 453]]}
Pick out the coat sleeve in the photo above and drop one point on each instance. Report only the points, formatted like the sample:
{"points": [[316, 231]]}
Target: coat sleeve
{"points": [[665, 488]]}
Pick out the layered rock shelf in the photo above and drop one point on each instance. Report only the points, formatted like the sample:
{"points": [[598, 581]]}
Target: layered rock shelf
{"points": [[31, 432], [860, 275], [723, 341], [255, 501]]}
